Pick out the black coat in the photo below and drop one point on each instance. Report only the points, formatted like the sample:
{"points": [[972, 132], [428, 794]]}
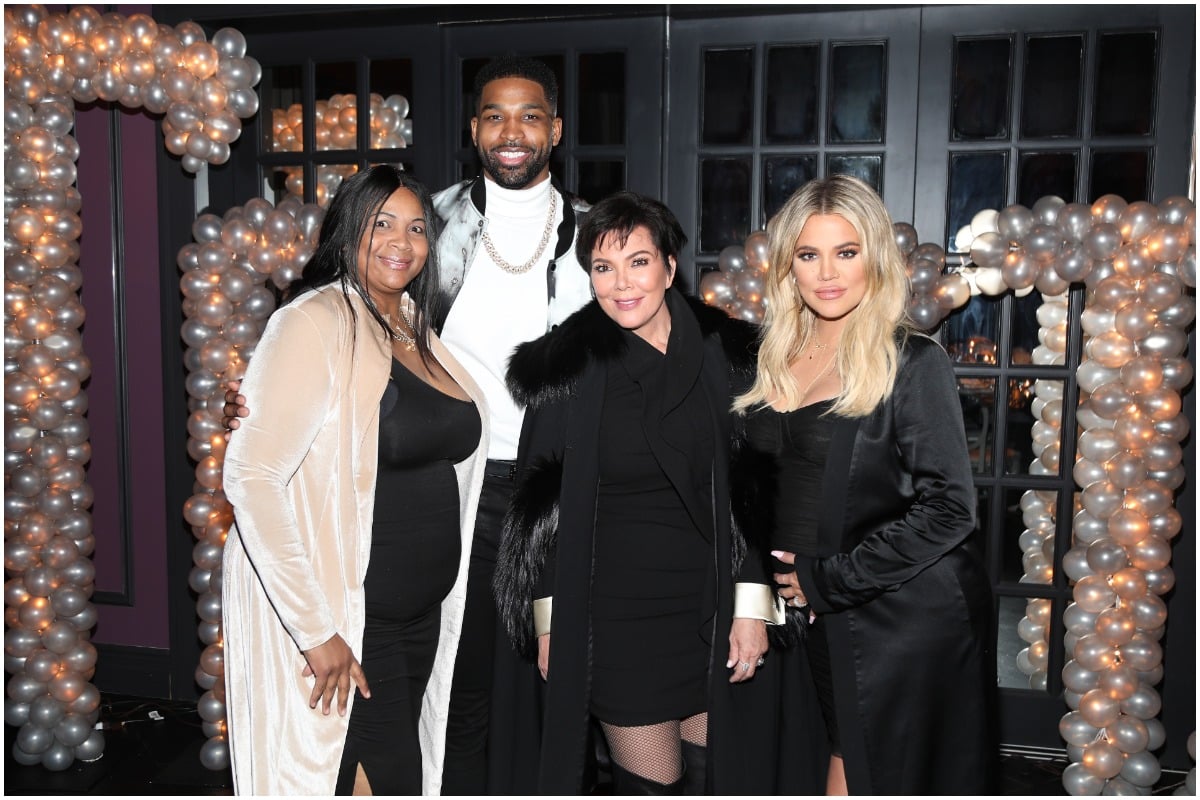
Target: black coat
{"points": [[547, 541], [908, 606]]}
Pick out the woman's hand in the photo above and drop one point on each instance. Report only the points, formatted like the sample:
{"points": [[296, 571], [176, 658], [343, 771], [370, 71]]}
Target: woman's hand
{"points": [[544, 655], [235, 406], [789, 584], [335, 668], [747, 648]]}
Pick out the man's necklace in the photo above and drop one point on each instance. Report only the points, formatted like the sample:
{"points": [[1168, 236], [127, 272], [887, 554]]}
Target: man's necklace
{"points": [[520, 269]]}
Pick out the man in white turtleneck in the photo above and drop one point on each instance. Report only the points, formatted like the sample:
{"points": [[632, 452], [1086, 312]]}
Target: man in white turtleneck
{"points": [[507, 259]]}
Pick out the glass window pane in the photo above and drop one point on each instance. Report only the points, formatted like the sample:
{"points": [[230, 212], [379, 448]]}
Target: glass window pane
{"points": [[284, 182], [1026, 328], [1023, 642], [336, 126], [1041, 174], [977, 181], [599, 179], [981, 89], [1034, 427], [793, 87], [978, 399], [1028, 557], [867, 168], [283, 92], [391, 117], [1125, 84], [469, 106], [724, 202], [782, 176], [329, 179], [1121, 172], [601, 98], [1051, 88], [726, 113], [856, 93], [971, 332]]}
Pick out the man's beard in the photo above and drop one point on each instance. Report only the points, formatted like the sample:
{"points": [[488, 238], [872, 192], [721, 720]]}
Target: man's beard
{"points": [[519, 177]]}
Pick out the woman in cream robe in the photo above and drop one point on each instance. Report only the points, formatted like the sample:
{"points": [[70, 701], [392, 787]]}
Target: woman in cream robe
{"points": [[295, 564]]}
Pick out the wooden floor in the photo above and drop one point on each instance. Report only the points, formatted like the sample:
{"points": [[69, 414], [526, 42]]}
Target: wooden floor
{"points": [[147, 756]]}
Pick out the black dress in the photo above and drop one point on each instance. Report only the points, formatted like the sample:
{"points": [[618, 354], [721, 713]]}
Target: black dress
{"points": [[415, 550], [798, 442], [649, 657]]}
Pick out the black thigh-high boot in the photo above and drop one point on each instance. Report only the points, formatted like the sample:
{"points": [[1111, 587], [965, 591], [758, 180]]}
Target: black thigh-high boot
{"points": [[695, 768], [627, 783]]}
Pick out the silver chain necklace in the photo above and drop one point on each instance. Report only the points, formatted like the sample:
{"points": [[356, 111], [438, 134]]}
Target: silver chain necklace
{"points": [[520, 269]]}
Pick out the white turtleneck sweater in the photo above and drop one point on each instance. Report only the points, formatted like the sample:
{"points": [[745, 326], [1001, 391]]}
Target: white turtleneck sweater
{"points": [[495, 311]]}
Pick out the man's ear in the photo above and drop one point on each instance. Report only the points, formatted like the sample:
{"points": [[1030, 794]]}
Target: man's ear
{"points": [[474, 127], [556, 131]]}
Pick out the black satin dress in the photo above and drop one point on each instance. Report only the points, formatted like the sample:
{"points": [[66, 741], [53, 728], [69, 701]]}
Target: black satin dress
{"points": [[799, 442], [415, 551], [649, 653]]}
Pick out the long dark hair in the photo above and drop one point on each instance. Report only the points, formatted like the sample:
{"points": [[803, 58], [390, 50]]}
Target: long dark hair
{"points": [[347, 220]]}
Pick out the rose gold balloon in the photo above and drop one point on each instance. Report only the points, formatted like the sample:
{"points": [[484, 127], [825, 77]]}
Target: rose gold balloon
{"points": [[1128, 526], [1150, 554], [1110, 350], [1114, 293]]}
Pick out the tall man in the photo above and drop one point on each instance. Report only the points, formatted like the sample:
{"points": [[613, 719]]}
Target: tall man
{"points": [[509, 274]]}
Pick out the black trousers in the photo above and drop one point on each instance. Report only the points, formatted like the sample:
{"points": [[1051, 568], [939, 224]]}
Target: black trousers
{"points": [[465, 771]]}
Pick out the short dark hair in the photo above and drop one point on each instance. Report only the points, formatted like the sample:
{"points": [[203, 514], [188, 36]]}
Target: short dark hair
{"points": [[618, 214], [518, 67], [347, 220]]}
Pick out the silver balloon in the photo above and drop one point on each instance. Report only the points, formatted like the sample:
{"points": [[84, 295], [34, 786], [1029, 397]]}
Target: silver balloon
{"points": [[92, 748], [1074, 729], [1141, 768], [732, 259], [989, 250], [1015, 222], [33, 739], [1079, 782], [1157, 734], [1144, 703], [1078, 619], [214, 754]]}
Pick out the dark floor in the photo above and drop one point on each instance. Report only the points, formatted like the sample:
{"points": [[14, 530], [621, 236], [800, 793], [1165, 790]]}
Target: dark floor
{"points": [[151, 756]]}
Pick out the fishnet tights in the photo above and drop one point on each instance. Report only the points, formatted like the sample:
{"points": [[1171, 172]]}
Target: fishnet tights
{"points": [[653, 751]]}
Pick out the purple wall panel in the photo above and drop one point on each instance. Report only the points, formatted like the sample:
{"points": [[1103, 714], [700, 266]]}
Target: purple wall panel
{"points": [[129, 541]]}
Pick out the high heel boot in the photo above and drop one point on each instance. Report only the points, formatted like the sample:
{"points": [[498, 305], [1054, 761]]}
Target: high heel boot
{"points": [[695, 768], [627, 783]]}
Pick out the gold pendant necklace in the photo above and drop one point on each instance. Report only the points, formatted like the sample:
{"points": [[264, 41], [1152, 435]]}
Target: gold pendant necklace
{"points": [[404, 337], [813, 382]]}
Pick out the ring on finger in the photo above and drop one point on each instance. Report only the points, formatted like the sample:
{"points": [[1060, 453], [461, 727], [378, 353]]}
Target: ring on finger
{"points": [[745, 666], [762, 661]]}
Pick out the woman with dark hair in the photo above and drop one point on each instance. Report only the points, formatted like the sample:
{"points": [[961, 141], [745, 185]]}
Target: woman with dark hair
{"points": [[354, 487], [620, 537]]}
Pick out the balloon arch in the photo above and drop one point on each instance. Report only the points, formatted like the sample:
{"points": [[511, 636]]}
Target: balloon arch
{"points": [[1135, 258]]}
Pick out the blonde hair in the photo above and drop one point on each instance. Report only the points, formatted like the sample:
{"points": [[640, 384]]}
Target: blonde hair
{"points": [[867, 353]]}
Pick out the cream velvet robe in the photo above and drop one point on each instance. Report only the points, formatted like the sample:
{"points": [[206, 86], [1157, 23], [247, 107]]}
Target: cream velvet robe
{"points": [[300, 472]]}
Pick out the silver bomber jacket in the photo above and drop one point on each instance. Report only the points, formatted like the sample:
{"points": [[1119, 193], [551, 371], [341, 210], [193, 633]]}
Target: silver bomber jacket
{"points": [[460, 210]]}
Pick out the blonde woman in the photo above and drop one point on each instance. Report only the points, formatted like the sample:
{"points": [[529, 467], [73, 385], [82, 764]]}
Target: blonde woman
{"points": [[873, 505]]}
